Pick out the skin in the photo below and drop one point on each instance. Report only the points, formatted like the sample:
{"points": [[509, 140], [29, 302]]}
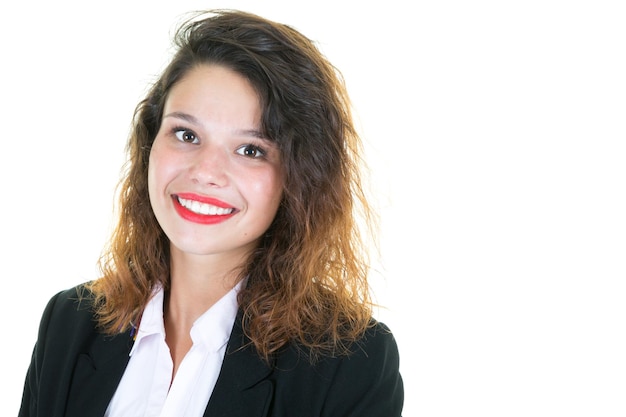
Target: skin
{"points": [[209, 146]]}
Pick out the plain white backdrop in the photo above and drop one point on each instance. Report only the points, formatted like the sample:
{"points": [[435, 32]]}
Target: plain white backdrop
{"points": [[496, 137]]}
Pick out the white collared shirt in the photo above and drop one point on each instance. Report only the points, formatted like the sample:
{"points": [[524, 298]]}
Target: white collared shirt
{"points": [[145, 386]]}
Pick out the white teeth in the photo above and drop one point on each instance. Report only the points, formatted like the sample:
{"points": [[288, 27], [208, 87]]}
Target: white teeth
{"points": [[203, 208]]}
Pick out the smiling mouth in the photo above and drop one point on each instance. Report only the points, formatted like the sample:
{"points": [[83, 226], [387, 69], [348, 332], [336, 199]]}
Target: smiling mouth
{"points": [[204, 208]]}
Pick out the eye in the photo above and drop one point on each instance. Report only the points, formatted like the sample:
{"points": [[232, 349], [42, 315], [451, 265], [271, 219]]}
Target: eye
{"points": [[185, 135], [251, 151]]}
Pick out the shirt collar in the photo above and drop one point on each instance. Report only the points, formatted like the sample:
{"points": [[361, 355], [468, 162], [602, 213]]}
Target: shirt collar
{"points": [[151, 320], [212, 329]]}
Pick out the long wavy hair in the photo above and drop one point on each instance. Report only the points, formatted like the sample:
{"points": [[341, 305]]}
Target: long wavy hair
{"points": [[307, 280]]}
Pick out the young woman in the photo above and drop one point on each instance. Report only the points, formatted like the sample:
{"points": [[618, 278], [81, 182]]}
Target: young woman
{"points": [[235, 283]]}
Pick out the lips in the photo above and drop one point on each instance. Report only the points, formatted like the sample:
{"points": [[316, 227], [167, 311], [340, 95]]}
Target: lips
{"points": [[201, 209]]}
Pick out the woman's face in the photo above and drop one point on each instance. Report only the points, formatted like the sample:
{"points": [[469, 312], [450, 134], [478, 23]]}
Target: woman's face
{"points": [[215, 182]]}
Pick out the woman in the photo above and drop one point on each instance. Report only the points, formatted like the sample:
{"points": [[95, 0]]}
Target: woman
{"points": [[235, 282]]}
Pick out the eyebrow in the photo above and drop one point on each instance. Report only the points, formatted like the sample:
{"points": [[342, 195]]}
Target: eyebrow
{"points": [[193, 120]]}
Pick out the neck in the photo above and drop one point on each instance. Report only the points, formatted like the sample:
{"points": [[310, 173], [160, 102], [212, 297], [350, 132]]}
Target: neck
{"points": [[196, 283]]}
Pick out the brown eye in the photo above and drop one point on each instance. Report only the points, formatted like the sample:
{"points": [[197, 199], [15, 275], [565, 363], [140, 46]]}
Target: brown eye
{"points": [[185, 135], [251, 151]]}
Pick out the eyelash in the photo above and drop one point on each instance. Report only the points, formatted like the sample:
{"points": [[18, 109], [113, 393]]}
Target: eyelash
{"points": [[252, 147], [179, 132]]}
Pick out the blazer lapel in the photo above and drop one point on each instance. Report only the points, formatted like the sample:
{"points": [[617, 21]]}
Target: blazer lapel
{"points": [[97, 374], [242, 389]]}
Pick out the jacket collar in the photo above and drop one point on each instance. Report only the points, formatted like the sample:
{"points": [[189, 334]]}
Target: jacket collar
{"points": [[97, 374], [242, 388]]}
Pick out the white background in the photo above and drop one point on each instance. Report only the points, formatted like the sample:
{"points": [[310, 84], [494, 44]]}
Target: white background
{"points": [[496, 137]]}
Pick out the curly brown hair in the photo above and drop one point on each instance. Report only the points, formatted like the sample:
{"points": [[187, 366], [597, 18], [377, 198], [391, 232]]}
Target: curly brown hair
{"points": [[307, 280]]}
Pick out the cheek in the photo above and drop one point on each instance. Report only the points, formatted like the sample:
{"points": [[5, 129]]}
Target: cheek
{"points": [[152, 185], [158, 172], [160, 167], [273, 191], [265, 190], [152, 174]]}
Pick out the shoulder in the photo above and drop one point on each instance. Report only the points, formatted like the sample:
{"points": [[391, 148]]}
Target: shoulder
{"points": [[68, 311], [377, 341], [68, 350], [76, 299], [376, 345], [373, 360], [368, 382], [68, 328], [365, 382]]}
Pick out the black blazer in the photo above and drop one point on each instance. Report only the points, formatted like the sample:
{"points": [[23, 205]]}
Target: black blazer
{"points": [[75, 371]]}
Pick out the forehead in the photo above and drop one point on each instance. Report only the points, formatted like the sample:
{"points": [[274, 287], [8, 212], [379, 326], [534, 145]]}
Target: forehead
{"points": [[216, 91]]}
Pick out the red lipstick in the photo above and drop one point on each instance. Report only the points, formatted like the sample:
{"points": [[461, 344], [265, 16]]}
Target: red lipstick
{"points": [[200, 218]]}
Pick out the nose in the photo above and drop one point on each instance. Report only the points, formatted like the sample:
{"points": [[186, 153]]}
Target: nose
{"points": [[209, 166]]}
